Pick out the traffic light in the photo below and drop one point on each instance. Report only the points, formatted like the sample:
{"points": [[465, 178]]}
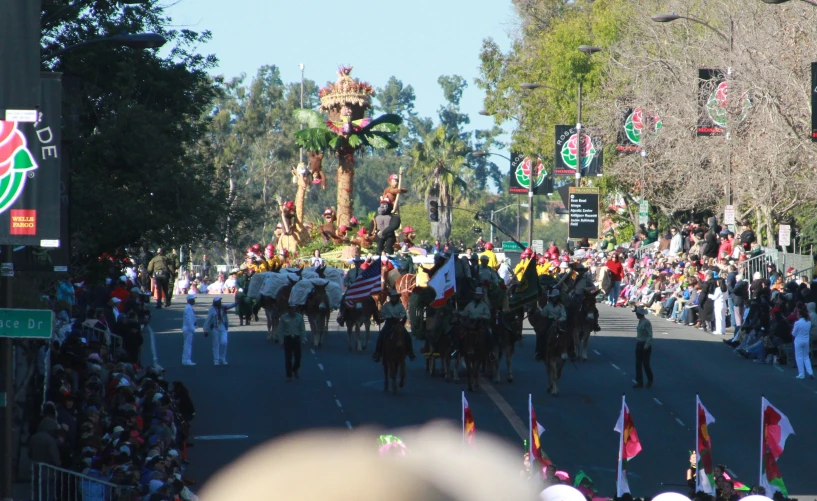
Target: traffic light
{"points": [[433, 213]]}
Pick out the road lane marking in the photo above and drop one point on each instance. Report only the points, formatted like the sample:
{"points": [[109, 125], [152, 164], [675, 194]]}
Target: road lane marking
{"points": [[220, 437], [616, 366], [680, 422], [596, 352], [313, 351], [349, 424], [657, 401], [329, 384], [665, 333], [505, 408], [320, 366], [778, 368], [338, 402]]}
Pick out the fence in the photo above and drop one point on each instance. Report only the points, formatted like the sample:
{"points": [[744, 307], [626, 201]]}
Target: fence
{"points": [[51, 483]]}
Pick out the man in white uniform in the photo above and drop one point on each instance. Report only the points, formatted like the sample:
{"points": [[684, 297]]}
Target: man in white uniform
{"points": [[216, 324], [188, 329]]}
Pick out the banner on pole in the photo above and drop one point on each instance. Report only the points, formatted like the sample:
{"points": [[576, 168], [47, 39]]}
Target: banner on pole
{"points": [[636, 124], [566, 153], [712, 87], [523, 167]]}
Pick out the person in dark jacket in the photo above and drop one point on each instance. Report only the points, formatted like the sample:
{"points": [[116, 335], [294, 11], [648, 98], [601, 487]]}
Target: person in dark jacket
{"points": [[43, 447], [747, 236], [740, 299]]}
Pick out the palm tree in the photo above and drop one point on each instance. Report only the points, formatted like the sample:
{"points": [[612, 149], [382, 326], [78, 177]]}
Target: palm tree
{"points": [[437, 170], [346, 131]]}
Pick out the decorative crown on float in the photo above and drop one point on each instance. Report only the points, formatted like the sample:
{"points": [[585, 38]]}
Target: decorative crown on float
{"points": [[346, 91]]}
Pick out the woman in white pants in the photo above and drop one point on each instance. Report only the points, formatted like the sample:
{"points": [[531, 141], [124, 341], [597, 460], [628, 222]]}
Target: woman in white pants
{"points": [[718, 298], [217, 325], [801, 334]]}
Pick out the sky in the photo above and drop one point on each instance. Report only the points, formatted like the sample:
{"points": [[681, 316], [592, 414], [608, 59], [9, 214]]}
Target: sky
{"points": [[415, 41]]}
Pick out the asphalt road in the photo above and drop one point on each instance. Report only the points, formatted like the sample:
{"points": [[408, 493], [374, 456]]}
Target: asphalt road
{"points": [[250, 399]]}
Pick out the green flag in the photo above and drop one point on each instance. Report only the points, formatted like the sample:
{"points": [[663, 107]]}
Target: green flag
{"points": [[528, 288], [582, 478]]}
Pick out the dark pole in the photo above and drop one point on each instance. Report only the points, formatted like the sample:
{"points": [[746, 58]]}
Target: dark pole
{"points": [[579, 139], [518, 215], [533, 177]]}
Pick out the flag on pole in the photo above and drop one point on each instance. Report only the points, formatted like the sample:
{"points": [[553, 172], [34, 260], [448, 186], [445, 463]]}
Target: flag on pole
{"points": [[584, 484], [444, 283], [774, 431], [469, 428], [365, 285], [528, 288], [629, 447], [536, 429], [705, 478]]}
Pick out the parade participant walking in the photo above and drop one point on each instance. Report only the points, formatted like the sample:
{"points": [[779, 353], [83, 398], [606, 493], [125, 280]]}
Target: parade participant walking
{"points": [[489, 253], [291, 327], [188, 329], [392, 312], [553, 311], [801, 334], [217, 325], [643, 348], [348, 280], [159, 269], [175, 265]]}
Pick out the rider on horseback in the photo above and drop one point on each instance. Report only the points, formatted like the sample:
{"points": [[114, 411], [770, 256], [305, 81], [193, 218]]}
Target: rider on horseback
{"points": [[554, 310], [393, 311], [477, 310], [350, 277], [406, 265]]}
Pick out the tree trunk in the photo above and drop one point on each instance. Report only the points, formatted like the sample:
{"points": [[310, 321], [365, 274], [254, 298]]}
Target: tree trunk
{"points": [[346, 184], [300, 201], [442, 230]]}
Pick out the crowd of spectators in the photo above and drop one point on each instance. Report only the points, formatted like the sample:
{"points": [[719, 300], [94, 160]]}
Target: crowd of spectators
{"points": [[106, 416]]}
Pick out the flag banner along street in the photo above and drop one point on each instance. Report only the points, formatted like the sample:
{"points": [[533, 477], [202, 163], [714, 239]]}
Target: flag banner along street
{"points": [[365, 285], [522, 167], [636, 125], [444, 283], [629, 447], [775, 429], [469, 428], [536, 429], [528, 288], [566, 154], [705, 478]]}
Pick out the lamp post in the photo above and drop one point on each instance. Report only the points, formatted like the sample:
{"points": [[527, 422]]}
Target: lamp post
{"points": [[500, 210], [729, 39], [301, 153]]}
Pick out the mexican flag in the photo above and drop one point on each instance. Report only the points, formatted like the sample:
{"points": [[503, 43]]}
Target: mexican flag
{"points": [[706, 473], [536, 429], [775, 429], [469, 428], [628, 448]]}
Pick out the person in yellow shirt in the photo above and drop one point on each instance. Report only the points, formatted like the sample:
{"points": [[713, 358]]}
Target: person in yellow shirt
{"points": [[271, 261], [489, 252], [526, 256], [543, 266]]}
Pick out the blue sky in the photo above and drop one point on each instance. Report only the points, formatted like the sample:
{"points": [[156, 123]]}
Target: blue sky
{"points": [[415, 41]]}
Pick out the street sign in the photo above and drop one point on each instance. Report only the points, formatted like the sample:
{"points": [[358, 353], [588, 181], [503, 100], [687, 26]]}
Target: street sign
{"points": [[538, 246], [21, 116], [511, 246], [643, 212], [784, 235], [729, 215], [26, 323], [584, 213]]}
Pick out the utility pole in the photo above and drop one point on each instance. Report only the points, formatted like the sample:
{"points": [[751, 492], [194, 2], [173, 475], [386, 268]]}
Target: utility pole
{"points": [[579, 138], [301, 154]]}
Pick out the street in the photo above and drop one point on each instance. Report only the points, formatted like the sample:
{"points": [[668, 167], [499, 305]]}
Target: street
{"points": [[249, 401]]}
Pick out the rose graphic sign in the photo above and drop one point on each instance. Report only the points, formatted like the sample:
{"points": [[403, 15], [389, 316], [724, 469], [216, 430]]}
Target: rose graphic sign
{"points": [[637, 123], [523, 167], [30, 173], [713, 98], [567, 153]]}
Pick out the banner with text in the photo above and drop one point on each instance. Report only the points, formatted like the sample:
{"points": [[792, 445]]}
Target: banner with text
{"points": [[30, 173], [636, 124], [584, 213], [712, 102], [567, 153], [523, 167]]}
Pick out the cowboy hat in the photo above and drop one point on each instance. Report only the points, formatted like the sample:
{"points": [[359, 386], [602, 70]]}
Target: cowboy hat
{"points": [[478, 291], [640, 310]]}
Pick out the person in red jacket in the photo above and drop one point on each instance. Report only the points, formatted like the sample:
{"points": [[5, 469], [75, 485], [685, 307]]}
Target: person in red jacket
{"points": [[616, 275]]}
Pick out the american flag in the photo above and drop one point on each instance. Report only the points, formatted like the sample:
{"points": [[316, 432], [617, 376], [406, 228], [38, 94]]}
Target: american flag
{"points": [[364, 285]]}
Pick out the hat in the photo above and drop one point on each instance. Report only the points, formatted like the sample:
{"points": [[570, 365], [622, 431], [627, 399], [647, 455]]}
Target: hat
{"points": [[123, 382], [478, 291], [94, 356], [216, 300], [554, 293], [191, 296], [57, 368], [393, 293], [484, 258], [116, 300], [563, 265], [118, 429], [640, 310], [157, 397], [404, 249], [385, 201], [123, 278], [136, 290]]}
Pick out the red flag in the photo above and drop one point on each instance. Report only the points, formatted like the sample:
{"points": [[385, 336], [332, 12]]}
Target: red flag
{"points": [[536, 429], [629, 447], [469, 428]]}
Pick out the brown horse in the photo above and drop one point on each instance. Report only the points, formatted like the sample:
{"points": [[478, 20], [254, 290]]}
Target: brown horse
{"points": [[506, 332], [443, 347], [317, 312], [559, 345], [273, 305], [394, 357], [581, 321], [473, 351], [361, 313]]}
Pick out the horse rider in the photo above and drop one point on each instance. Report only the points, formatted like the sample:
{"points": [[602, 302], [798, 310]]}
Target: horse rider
{"points": [[489, 253], [526, 256], [487, 275], [478, 310], [554, 310], [271, 262], [391, 312], [406, 263], [348, 280]]}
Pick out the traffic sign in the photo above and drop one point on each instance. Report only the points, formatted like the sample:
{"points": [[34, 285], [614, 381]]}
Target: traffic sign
{"points": [[784, 235], [26, 323], [584, 213], [729, 215], [512, 246], [643, 212], [538, 246]]}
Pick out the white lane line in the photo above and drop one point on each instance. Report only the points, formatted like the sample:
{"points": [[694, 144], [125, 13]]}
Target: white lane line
{"points": [[665, 333], [778, 368], [680, 422], [338, 402], [349, 424], [634, 381], [596, 352], [616, 366], [657, 401], [329, 384], [320, 366], [313, 351]]}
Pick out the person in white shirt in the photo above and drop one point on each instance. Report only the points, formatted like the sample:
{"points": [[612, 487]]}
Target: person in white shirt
{"points": [[676, 244], [217, 325], [718, 298], [505, 272], [188, 329], [316, 261], [801, 334]]}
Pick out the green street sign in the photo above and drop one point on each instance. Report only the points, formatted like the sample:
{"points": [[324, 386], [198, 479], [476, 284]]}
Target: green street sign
{"points": [[26, 323], [512, 246]]}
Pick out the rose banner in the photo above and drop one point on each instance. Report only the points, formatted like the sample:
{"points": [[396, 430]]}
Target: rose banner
{"points": [[636, 124], [523, 167], [30, 173], [566, 153], [712, 92]]}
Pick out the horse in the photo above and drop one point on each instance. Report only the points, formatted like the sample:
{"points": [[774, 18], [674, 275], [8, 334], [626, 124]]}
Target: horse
{"points": [[273, 305], [506, 332], [361, 313], [317, 312], [559, 345], [473, 351], [442, 348], [394, 357], [404, 286], [581, 321]]}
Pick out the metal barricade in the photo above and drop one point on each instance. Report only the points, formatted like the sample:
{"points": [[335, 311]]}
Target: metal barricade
{"points": [[644, 249], [95, 334], [52, 483], [116, 343], [755, 264]]}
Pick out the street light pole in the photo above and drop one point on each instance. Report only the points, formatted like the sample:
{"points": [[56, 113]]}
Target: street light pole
{"points": [[301, 153], [579, 138]]}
